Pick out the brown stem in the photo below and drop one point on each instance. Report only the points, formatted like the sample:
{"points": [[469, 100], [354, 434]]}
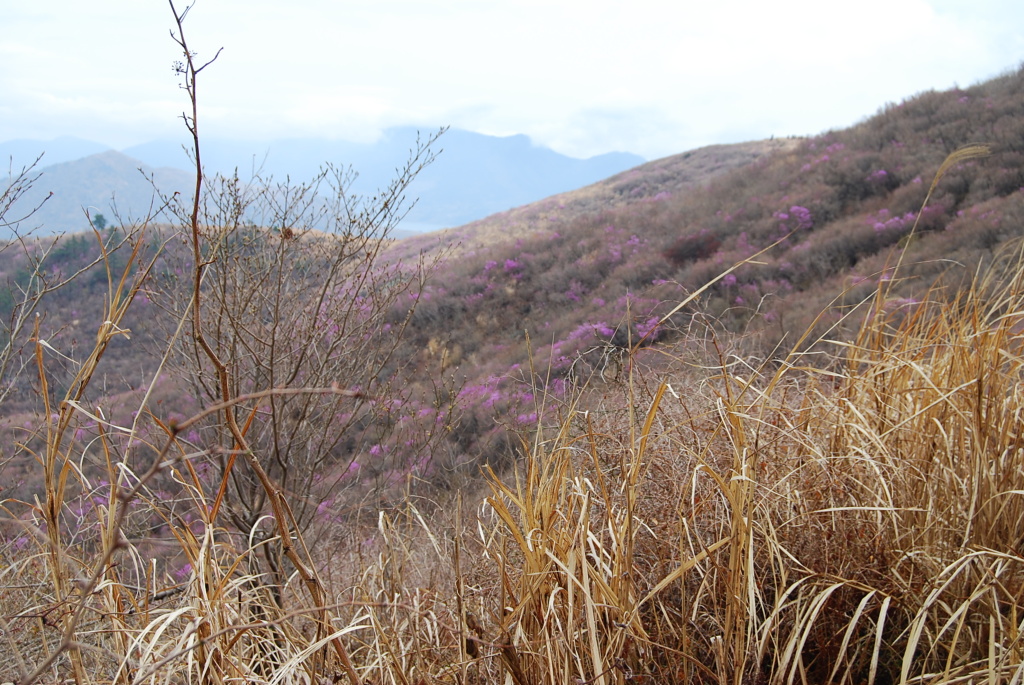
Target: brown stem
{"points": [[228, 403]]}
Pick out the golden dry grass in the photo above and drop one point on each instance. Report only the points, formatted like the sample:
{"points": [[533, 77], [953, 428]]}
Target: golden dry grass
{"points": [[854, 521]]}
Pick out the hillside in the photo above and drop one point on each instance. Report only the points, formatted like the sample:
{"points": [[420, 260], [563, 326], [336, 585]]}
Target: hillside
{"points": [[651, 181], [837, 203], [687, 424], [602, 264], [589, 271]]}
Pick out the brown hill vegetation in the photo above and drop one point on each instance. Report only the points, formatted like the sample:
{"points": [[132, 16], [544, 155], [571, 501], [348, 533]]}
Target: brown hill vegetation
{"points": [[659, 179]]}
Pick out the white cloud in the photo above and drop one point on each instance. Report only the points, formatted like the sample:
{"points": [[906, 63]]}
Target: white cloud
{"points": [[583, 77]]}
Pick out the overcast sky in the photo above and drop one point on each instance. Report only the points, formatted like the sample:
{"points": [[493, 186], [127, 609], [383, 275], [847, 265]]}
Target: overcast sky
{"points": [[654, 77]]}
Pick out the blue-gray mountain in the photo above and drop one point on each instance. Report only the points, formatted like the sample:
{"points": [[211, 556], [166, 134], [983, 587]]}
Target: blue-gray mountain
{"points": [[474, 176]]}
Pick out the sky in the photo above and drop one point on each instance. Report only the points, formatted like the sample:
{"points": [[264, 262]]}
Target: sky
{"points": [[584, 77]]}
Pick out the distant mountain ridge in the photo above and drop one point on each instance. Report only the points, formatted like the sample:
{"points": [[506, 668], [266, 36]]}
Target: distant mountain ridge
{"points": [[474, 176], [107, 183]]}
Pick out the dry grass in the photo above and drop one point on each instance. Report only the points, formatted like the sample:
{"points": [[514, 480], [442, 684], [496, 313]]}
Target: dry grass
{"points": [[855, 521], [795, 525]]}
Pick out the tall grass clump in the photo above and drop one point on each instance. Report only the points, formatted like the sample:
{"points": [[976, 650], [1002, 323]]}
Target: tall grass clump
{"points": [[784, 523], [927, 439], [846, 518]]}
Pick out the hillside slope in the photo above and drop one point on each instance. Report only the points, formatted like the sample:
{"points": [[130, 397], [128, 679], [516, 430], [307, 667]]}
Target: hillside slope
{"points": [[650, 181], [289, 488], [587, 272]]}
